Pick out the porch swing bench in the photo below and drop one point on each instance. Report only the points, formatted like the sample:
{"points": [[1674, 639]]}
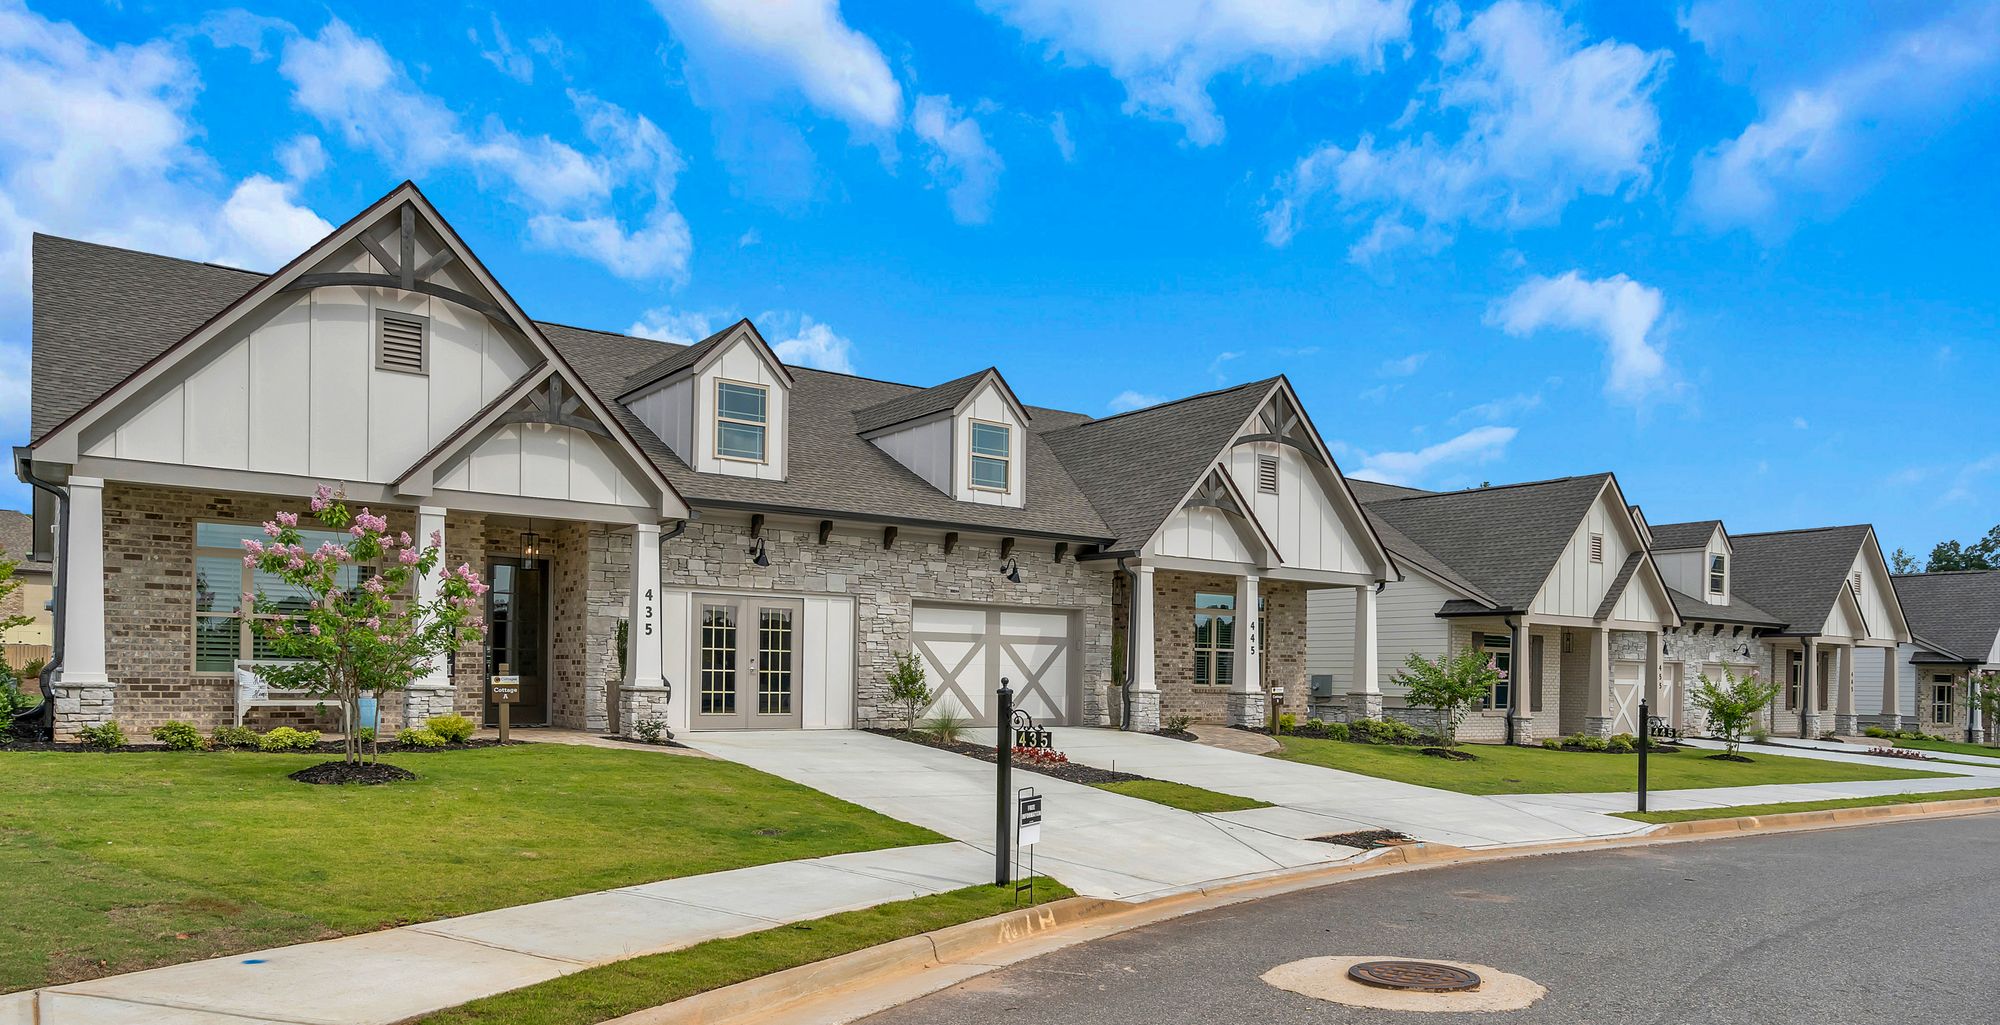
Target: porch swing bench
{"points": [[253, 691]]}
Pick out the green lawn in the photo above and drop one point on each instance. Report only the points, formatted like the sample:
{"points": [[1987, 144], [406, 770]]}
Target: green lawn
{"points": [[114, 863], [1945, 746], [1532, 770], [1696, 814], [613, 990], [1181, 795]]}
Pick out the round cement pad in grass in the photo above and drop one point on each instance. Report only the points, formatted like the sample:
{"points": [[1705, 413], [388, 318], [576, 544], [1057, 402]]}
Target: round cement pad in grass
{"points": [[1325, 978]]}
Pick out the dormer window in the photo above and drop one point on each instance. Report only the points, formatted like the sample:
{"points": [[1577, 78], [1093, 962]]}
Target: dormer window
{"points": [[1718, 574], [992, 452], [742, 419]]}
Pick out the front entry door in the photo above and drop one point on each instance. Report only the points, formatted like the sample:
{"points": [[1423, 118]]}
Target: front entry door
{"points": [[517, 618], [747, 654]]}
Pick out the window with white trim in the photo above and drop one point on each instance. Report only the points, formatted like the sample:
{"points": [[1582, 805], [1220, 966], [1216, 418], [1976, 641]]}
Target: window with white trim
{"points": [[992, 455], [742, 421], [222, 634], [1499, 649], [1944, 699], [1214, 639], [1718, 575]]}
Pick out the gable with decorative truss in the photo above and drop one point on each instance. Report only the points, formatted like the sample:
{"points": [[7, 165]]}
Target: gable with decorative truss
{"points": [[1215, 523], [1296, 494]]}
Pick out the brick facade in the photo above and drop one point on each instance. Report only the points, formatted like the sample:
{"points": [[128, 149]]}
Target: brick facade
{"points": [[1284, 642]]}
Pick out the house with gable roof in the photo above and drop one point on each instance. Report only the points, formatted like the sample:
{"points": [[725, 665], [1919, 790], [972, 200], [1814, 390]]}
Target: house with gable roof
{"points": [[766, 537], [1954, 634]]}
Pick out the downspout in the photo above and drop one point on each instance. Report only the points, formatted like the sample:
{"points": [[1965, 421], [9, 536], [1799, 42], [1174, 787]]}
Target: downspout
{"points": [[1131, 615], [23, 466], [680, 527], [1515, 659]]}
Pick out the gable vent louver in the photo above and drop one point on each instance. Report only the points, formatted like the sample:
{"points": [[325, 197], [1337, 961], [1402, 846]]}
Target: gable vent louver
{"points": [[1267, 474], [402, 341], [1597, 547], [1854, 583]]}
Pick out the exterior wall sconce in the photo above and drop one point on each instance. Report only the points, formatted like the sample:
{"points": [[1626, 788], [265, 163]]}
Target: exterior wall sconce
{"points": [[530, 545], [1010, 571], [757, 554]]}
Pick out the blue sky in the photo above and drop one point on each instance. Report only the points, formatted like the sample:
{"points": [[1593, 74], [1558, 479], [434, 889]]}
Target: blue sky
{"points": [[1739, 253]]}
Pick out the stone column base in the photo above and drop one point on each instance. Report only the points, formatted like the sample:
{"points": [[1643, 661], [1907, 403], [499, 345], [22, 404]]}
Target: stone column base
{"points": [[1247, 709], [641, 704], [1524, 730], [1979, 736], [1810, 725], [420, 703], [83, 704], [1598, 725], [1145, 712], [1362, 705], [1847, 725]]}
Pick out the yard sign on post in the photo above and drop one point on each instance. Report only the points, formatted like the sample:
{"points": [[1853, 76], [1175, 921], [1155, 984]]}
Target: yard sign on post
{"points": [[1027, 833], [506, 691]]}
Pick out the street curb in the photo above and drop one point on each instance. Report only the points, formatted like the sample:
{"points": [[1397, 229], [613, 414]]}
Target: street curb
{"points": [[855, 985]]}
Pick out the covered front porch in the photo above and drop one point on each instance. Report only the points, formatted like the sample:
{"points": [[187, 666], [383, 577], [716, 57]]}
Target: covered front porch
{"points": [[1561, 677], [1816, 687]]}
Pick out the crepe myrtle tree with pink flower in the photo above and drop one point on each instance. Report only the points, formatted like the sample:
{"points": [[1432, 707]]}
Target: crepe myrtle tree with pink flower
{"points": [[1451, 686], [363, 630]]}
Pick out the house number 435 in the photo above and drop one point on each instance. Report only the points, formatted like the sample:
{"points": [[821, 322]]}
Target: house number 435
{"points": [[649, 612]]}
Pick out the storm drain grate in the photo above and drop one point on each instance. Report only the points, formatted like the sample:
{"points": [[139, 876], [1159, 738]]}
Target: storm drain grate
{"points": [[1427, 976]]}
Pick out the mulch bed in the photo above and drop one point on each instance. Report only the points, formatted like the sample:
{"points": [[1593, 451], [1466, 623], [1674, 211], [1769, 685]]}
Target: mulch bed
{"points": [[1450, 754], [1725, 756], [1072, 772], [636, 742], [1175, 735], [363, 774], [1367, 839], [325, 747]]}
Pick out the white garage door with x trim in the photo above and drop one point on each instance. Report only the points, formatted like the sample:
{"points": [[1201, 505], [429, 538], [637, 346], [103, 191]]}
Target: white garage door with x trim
{"points": [[1627, 679], [966, 650]]}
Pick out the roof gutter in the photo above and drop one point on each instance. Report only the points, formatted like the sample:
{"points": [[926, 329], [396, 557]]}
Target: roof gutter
{"points": [[24, 470], [900, 521]]}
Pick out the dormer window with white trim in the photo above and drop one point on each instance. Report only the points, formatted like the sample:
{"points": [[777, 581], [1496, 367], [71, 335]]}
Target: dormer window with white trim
{"points": [[742, 421], [992, 452], [1718, 575]]}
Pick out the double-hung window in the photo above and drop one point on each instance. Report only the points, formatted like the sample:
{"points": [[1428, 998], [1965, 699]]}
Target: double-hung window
{"points": [[1500, 649], [1942, 699], [1718, 574], [742, 420], [992, 455], [222, 634], [1214, 639]]}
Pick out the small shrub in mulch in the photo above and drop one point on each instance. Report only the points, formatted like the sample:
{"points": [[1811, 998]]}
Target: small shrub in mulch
{"points": [[1727, 757], [1366, 839], [1450, 754], [1069, 771], [1897, 752], [338, 773], [1175, 734]]}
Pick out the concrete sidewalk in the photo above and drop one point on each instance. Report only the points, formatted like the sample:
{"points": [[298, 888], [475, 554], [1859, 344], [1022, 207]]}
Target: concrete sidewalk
{"points": [[391, 975]]}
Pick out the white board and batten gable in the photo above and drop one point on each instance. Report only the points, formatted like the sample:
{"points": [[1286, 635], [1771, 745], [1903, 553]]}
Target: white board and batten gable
{"points": [[368, 355], [1593, 562], [691, 408], [986, 429], [1688, 570], [1868, 612]]}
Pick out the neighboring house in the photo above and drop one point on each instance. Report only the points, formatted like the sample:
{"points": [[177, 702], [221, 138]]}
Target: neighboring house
{"points": [[1554, 570], [1721, 633], [36, 579], [772, 535], [1955, 632]]}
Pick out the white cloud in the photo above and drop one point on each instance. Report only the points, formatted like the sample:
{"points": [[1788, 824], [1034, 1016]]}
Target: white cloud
{"points": [[1499, 409], [1059, 131], [613, 205], [1822, 143], [960, 158], [1166, 52], [1799, 423], [1128, 400], [267, 220], [302, 157], [816, 345], [776, 45], [1540, 118], [1222, 359], [1969, 479], [1403, 366], [512, 62], [666, 324], [1621, 311], [1478, 445]]}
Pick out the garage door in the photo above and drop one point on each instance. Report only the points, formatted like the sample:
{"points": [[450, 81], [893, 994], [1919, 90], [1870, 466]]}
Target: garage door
{"points": [[1626, 680], [966, 650]]}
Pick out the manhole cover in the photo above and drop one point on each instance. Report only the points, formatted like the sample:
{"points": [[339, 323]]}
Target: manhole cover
{"points": [[1427, 976]]}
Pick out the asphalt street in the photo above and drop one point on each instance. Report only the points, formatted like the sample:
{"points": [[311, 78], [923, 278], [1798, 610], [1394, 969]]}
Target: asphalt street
{"points": [[1895, 923]]}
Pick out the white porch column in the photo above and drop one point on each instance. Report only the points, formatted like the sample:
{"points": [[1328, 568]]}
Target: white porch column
{"points": [[1892, 687], [643, 695], [1142, 693], [1521, 681], [1597, 711], [1246, 683], [1364, 692], [85, 696], [429, 694], [1809, 689], [1975, 726], [1845, 722]]}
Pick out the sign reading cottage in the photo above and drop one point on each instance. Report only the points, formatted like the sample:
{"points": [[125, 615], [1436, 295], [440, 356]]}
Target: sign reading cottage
{"points": [[771, 537]]}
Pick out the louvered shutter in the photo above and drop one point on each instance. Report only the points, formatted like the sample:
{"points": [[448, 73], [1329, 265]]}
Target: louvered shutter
{"points": [[402, 341]]}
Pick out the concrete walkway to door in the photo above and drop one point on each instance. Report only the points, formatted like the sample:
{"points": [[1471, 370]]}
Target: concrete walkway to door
{"points": [[1099, 843], [1316, 801]]}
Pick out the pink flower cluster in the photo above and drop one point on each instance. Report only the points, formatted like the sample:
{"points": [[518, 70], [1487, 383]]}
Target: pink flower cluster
{"points": [[365, 521], [322, 498], [471, 577]]}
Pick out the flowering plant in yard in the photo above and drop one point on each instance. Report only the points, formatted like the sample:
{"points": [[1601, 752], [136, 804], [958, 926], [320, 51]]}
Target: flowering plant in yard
{"points": [[363, 629], [1451, 686]]}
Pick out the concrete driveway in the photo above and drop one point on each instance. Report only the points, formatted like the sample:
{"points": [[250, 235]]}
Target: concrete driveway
{"points": [[1316, 801], [1098, 843]]}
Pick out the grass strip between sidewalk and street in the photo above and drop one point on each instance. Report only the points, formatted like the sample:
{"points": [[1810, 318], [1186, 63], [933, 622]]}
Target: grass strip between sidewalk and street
{"points": [[1741, 811], [609, 991], [1500, 769], [1181, 795]]}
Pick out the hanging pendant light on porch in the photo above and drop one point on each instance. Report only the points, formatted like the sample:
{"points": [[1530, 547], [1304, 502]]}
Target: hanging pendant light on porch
{"points": [[530, 549]]}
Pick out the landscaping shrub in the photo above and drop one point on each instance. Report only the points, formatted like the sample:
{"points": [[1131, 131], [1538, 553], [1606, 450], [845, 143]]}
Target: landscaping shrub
{"points": [[178, 736], [108, 737], [423, 737], [1450, 686], [1879, 733], [454, 728], [1287, 722], [1620, 744], [285, 738], [652, 731], [241, 737], [1383, 731], [1732, 706], [1589, 742], [907, 690], [1552, 743], [1176, 724], [945, 728], [1336, 731], [12, 702], [1760, 735], [365, 735]]}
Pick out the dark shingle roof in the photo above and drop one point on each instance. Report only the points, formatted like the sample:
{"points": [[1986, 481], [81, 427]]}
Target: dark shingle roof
{"points": [[681, 358], [917, 404], [1504, 540], [1136, 467], [1796, 575], [1693, 534], [88, 334], [1737, 611], [1959, 610], [1410, 553], [17, 539], [1368, 492], [1618, 584]]}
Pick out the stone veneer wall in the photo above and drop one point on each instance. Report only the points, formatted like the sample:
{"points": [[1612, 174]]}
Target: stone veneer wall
{"points": [[149, 615], [1697, 649], [1173, 654], [884, 584]]}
